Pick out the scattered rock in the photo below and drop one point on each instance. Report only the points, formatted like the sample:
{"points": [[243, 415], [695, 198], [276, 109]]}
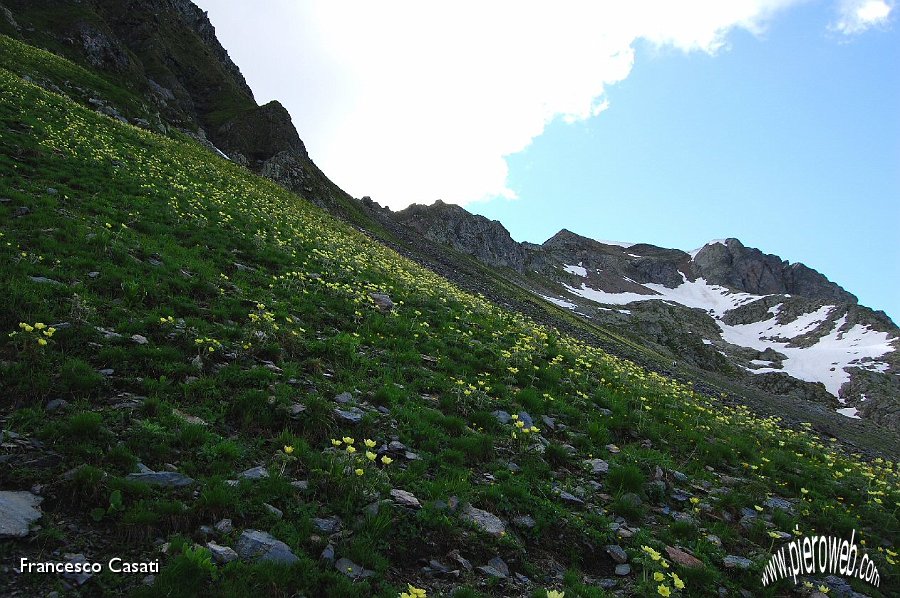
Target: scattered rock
{"points": [[56, 404], [191, 419], [524, 522], [273, 510], [454, 556], [352, 570], [18, 510], [683, 558], [485, 521], [496, 567], [224, 526], [221, 554], [679, 477], [166, 479], [570, 498], [82, 576], [598, 466], [776, 502], [327, 525], [617, 553], [405, 499], [44, 280], [328, 554], [382, 301], [736, 562], [254, 473], [255, 545], [106, 372], [301, 485], [353, 415], [623, 569], [502, 416]]}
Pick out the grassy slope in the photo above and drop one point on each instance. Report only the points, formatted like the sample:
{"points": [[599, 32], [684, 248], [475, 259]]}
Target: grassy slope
{"points": [[249, 273]]}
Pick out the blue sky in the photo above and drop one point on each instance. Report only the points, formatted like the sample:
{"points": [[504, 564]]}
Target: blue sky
{"points": [[790, 142], [773, 121]]}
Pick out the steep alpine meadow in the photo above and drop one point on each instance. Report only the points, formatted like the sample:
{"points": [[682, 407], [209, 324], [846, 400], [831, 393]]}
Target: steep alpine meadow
{"points": [[201, 369]]}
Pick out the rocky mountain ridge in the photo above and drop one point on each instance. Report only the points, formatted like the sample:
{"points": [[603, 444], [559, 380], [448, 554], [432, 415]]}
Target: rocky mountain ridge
{"points": [[167, 52], [780, 326]]}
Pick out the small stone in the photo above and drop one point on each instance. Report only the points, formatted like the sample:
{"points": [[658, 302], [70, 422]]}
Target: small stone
{"points": [[18, 510], [221, 554], [714, 540], [56, 404], [106, 372], [296, 409], [94, 274], [683, 558], [344, 398], [44, 280], [485, 521], [617, 553], [680, 477], [273, 510], [524, 521], [502, 416], [138, 339], [256, 545], [352, 570], [328, 554], [81, 577], [496, 567], [166, 479], [301, 485], [254, 473], [598, 466], [783, 504], [405, 499], [382, 301], [623, 569], [736, 562], [454, 555], [570, 499], [327, 525], [353, 415], [224, 526]]}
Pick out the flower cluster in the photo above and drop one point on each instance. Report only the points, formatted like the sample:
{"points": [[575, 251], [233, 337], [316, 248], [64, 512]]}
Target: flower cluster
{"points": [[356, 459], [211, 345], [412, 592], [521, 427], [667, 582], [38, 333]]}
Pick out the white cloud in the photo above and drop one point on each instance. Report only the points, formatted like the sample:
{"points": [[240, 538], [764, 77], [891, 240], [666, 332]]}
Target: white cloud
{"points": [[856, 16], [424, 100]]}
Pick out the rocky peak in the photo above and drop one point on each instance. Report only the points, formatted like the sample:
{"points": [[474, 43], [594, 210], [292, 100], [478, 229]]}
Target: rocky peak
{"points": [[730, 263], [452, 225]]}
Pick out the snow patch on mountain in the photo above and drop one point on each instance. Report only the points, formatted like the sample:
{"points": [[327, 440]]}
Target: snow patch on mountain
{"points": [[713, 299], [578, 270], [826, 360], [624, 244]]}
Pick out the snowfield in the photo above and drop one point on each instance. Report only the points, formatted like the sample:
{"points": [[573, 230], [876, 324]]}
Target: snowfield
{"points": [[825, 361]]}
